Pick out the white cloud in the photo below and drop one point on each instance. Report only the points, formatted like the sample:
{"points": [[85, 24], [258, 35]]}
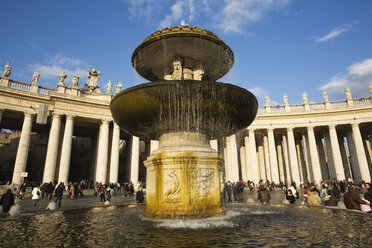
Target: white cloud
{"points": [[258, 91], [335, 32], [357, 78], [238, 13], [229, 15], [53, 66]]}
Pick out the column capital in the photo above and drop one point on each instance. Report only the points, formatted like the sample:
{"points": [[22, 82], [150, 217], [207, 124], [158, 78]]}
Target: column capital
{"points": [[311, 127], [332, 126], [28, 114], [56, 115], [290, 129], [70, 117], [103, 121], [355, 124]]}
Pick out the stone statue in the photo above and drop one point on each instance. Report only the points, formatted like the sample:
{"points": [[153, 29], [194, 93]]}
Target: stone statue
{"points": [[304, 97], [198, 74], [61, 79], [118, 87], [7, 70], [92, 84], [177, 70], [325, 96], [370, 88], [75, 80], [348, 93], [109, 88], [267, 100], [35, 77], [285, 99]]}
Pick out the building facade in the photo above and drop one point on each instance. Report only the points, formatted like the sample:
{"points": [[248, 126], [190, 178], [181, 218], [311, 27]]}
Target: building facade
{"points": [[68, 134]]}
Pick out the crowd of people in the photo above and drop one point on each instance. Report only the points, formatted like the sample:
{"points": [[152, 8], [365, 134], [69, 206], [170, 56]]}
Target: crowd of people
{"points": [[54, 192]]}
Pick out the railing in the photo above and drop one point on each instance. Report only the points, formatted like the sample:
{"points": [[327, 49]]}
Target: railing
{"points": [[19, 85], [317, 105], [339, 104], [45, 90], [362, 101]]}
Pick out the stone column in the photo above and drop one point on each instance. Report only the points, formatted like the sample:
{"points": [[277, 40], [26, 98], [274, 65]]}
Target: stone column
{"points": [[232, 153], [293, 157], [273, 157], [369, 153], [114, 161], [300, 161], [243, 163], [261, 159], [64, 165], [361, 155], [322, 158], [102, 155], [248, 163], [23, 146], [253, 163], [214, 144], [52, 150], [1, 113], [330, 162], [280, 161], [315, 164], [267, 158], [307, 158], [288, 177], [344, 155], [134, 160], [340, 175], [154, 145]]}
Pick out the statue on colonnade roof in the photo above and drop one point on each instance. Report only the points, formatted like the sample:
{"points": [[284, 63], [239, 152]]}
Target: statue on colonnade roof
{"points": [[7, 70]]}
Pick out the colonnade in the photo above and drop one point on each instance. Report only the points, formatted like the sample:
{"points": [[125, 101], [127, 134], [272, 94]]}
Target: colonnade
{"points": [[103, 162], [300, 154]]}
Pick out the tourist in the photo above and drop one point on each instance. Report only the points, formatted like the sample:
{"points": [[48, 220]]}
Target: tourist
{"points": [[139, 195], [331, 199], [49, 190], [323, 193], [108, 193], [101, 193], [294, 190], [7, 200], [35, 195], [368, 194], [229, 191], [290, 197], [59, 193], [313, 198], [22, 190], [263, 194], [131, 189], [352, 199], [304, 201]]}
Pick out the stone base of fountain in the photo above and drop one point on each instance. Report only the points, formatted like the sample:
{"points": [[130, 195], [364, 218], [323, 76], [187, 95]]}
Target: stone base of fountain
{"points": [[183, 177]]}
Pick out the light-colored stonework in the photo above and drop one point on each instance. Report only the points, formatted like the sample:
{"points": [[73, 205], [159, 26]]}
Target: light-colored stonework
{"points": [[320, 131]]}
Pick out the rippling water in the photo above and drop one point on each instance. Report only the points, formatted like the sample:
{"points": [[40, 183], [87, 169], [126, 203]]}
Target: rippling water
{"points": [[243, 226]]}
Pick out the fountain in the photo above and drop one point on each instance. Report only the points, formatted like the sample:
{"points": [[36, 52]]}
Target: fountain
{"points": [[184, 108]]}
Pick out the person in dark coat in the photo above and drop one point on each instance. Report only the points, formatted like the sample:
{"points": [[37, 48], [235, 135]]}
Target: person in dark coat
{"points": [[290, 197], [59, 193], [139, 196], [7, 200], [263, 193], [352, 199], [49, 190], [331, 199], [368, 194]]}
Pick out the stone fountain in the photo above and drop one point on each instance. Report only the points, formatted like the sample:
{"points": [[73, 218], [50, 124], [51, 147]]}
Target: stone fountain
{"points": [[184, 108]]}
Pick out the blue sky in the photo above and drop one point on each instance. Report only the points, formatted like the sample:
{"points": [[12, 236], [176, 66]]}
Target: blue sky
{"points": [[280, 46]]}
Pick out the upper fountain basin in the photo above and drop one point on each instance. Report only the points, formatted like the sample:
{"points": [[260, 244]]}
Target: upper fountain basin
{"points": [[211, 108], [197, 47]]}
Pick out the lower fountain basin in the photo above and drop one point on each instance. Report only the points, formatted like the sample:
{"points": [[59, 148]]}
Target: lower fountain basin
{"points": [[243, 226], [211, 108]]}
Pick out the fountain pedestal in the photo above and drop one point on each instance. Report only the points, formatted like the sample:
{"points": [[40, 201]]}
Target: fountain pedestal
{"points": [[183, 177]]}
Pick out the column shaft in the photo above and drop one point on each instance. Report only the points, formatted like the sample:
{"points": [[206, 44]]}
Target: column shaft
{"points": [[114, 161], [52, 150], [322, 158], [261, 157], [243, 163], [248, 163], [288, 172], [64, 165], [253, 163], [280, 161], [340, 175], [134, 162], [102, 156], [23, 147], [344, 155], [330, 161], [267, 158], [361, 155], [273, 157], [232, 153], [293, 157], [315, 164]]}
